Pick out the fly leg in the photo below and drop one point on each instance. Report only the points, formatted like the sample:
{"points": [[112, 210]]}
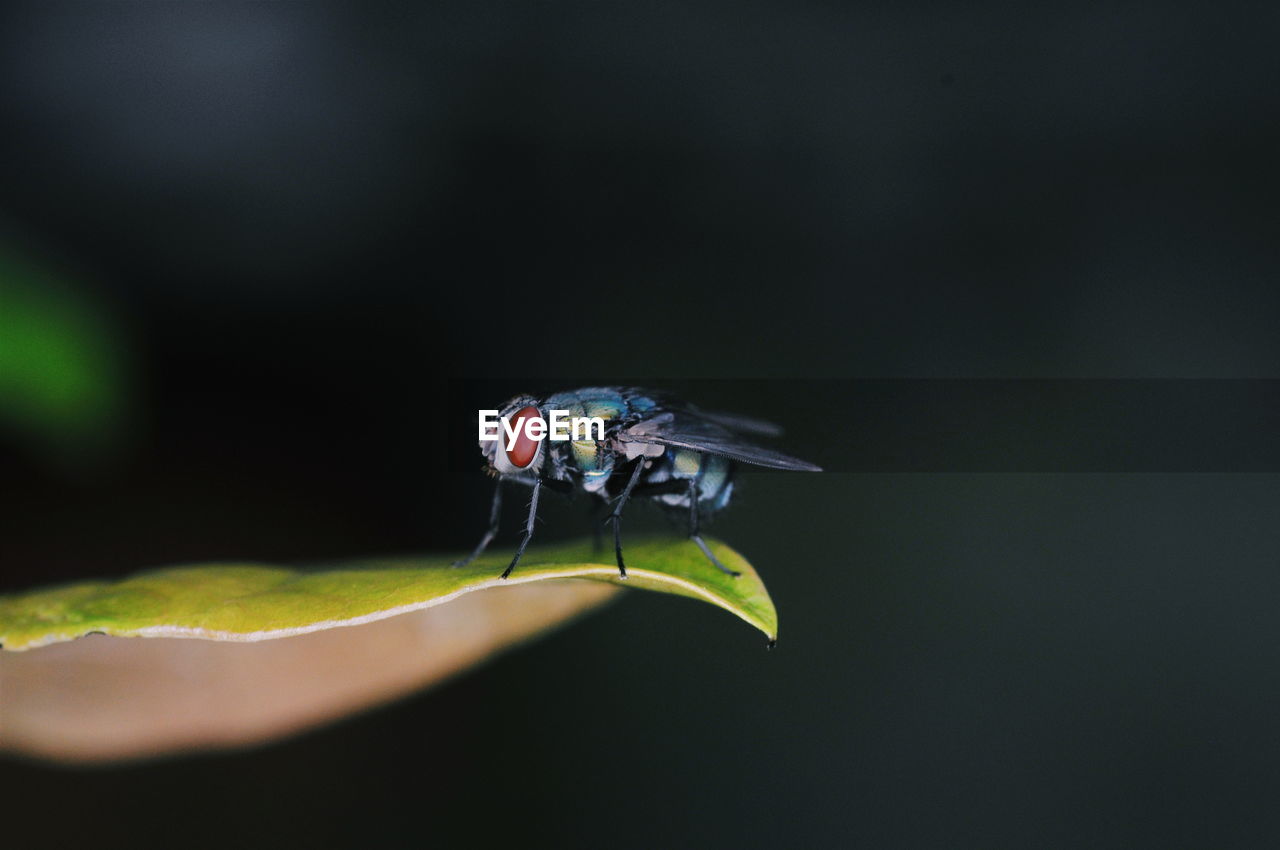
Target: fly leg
{"points": [[696, 537], [528, 528], [616, 516], [494, 512]]}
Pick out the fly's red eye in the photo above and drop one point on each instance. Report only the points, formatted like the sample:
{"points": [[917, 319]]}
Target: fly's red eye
{"points": [[525, 449]]}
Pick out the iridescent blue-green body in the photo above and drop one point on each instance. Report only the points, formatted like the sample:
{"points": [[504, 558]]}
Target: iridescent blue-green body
{"points": [[602, 468], [652, 447]]}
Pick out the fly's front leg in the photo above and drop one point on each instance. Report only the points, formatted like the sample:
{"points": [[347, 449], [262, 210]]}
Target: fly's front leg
{"points": [[694, 534], [616, 516], [494, 512], [528, 528]]}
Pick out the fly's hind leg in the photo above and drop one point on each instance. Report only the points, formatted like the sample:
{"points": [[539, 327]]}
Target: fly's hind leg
{"points": [[495, 511], [616, 515], [696, 537], [712, 558]]}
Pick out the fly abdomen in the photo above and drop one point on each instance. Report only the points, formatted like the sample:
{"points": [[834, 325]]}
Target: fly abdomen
{"points": [[711, 476]]}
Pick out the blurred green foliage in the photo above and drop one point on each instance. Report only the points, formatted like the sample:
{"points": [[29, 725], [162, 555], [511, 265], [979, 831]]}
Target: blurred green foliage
{"points": [[63, 373]]}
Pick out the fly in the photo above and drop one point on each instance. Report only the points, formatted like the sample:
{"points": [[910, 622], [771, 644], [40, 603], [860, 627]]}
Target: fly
{"points": [[654, 447]]}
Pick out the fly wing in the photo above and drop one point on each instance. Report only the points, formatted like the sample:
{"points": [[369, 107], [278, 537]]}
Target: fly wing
{"points": [[668, 429], [694, 416]]}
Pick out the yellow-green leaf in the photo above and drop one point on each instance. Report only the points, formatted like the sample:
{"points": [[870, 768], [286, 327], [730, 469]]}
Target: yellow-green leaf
{"points": [[352, 636], [249, 602]]}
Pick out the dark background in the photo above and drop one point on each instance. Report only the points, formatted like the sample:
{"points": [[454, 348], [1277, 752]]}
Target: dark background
{"points": [[311, 223]]}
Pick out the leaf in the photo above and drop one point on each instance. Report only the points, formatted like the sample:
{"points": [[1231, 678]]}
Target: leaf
{"points": [[343, 647], [235, 602]]}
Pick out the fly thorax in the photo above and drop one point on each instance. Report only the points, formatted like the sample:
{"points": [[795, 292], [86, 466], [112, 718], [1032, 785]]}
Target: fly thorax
{"points": [[594, 461]]}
